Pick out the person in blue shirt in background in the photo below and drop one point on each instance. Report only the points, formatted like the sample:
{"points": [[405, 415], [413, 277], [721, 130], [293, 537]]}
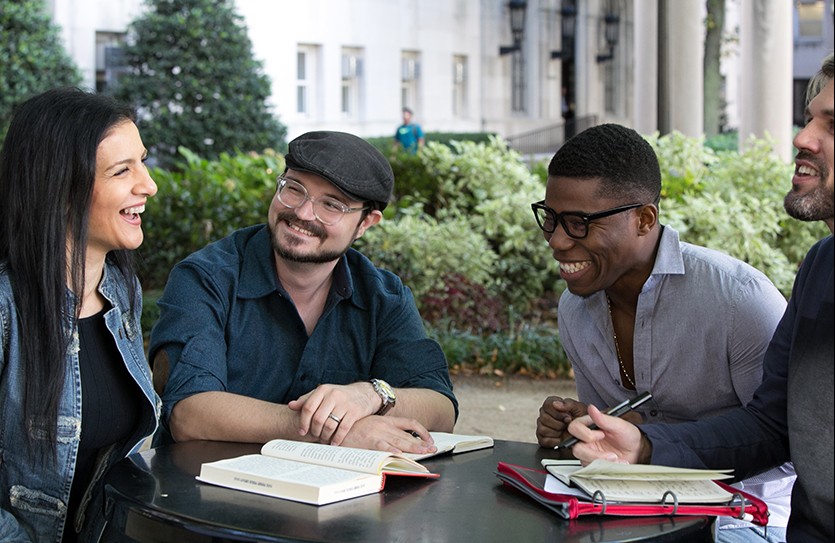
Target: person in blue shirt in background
{"points": [[409, 135]]}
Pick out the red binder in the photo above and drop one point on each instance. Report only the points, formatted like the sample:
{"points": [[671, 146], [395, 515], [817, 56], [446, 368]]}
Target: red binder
{"points": [[532, 482]]}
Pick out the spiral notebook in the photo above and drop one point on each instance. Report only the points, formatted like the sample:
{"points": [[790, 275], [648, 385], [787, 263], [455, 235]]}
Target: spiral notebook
{"points": [[572, 502]]}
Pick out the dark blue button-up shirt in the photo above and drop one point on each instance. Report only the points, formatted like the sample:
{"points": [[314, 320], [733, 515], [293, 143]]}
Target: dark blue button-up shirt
{"points": [[227, 324]]}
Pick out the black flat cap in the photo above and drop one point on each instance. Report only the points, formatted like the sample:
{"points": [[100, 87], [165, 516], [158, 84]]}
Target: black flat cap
{"points": [[355, 166]]}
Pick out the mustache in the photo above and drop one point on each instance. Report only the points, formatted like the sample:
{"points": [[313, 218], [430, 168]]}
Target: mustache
{"points": [[310, 226]]}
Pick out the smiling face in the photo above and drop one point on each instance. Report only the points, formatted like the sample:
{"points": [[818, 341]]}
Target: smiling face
{"points": [[616, 248], [811, 195], [298, 236], [120, 191]]}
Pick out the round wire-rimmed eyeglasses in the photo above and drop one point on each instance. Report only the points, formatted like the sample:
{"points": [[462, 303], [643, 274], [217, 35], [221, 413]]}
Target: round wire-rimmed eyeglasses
{"points": [[326, 209]]}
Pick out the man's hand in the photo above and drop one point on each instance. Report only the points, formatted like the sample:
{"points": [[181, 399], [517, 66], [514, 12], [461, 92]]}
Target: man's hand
{"points": [[391, 434], [329, 412], [554, 417], [614, 439]]}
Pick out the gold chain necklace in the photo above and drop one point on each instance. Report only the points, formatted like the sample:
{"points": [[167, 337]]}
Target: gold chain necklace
{"points": [[617, 349]]}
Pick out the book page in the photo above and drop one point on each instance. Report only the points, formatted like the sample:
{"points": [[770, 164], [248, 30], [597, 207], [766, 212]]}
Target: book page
{"points": [[299, 481], [640, 482], [457, 443], [555, 486], [461, 443], [285, 470], [562, 469], [603, 469], [363, 460], [653, 491]]}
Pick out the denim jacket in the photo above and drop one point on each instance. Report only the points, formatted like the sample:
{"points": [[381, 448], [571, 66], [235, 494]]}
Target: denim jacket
{"points": [[33, 502]]}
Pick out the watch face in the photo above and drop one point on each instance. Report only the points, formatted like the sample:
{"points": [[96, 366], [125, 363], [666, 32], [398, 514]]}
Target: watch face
{"points": [[386, 394], [385, 389]]}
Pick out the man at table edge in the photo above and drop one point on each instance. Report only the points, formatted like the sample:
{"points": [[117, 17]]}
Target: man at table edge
{"points": [[791, 414]]}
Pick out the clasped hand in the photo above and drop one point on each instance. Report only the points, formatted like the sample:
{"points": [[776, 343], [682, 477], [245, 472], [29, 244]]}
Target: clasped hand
{"points": [[344, 415], [554, 417]]}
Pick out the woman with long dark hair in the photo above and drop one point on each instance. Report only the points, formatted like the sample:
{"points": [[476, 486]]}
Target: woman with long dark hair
{"points": [[75, 387]]}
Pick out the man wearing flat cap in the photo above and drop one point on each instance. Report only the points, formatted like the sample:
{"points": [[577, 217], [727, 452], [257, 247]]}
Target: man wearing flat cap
{"points": [[282, 330]]}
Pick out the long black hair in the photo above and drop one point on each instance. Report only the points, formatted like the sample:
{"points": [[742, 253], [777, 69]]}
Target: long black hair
{"points": [[47, 171]]}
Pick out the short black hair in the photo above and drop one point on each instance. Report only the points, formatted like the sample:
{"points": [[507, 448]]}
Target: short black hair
{"points": [[623, 161], [407, 110]]}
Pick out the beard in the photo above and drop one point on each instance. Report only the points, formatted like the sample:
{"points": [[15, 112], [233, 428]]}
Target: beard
{"points": [[815, 205], [287, 250]]}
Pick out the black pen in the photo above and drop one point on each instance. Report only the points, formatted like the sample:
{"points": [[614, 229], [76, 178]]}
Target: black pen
{"points": [[616, 411]]}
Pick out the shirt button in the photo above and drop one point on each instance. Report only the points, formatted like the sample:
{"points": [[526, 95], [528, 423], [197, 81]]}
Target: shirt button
{"points": [[653, 413], [303, 377]]}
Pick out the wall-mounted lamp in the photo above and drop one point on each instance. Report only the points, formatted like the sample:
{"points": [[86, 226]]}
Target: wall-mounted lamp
{"points": [[611, 30], [517, 25], [568, 25]]}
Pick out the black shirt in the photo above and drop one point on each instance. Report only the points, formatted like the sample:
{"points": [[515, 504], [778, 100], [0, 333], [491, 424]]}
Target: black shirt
{"points": [[110, 406]]}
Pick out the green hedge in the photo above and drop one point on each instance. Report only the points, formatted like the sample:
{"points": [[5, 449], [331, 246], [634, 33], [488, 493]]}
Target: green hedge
{"points": [[461, 234]]}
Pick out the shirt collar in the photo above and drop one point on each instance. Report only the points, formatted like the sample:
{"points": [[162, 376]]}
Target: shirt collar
{"points": [[668, 261]]}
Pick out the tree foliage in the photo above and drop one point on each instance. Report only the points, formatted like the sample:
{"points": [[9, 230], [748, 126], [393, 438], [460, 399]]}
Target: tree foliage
{"points": [[192, 75], [32, 57]]}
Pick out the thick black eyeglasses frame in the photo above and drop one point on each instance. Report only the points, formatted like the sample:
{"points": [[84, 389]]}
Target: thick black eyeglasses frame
{"points": [[560, 217]]}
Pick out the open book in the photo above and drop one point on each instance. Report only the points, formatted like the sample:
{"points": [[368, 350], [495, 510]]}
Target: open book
{"points": [[639, 482], [310, 472], [453, 443]]}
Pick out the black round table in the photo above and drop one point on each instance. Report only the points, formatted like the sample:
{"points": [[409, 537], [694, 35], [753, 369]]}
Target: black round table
{"points": [[153, 497]]}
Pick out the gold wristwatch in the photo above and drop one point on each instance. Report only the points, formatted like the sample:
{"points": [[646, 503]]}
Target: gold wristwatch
{"points": [[386, 393]]}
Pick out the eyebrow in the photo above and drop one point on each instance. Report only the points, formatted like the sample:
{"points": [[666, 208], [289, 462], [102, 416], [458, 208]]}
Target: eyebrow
{"points": [[127, 161], [337, 195]]}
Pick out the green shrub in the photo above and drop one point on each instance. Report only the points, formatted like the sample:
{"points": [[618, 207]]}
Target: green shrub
{"points": [[523, 348], [489, 186], [201, 201], [461, 234], [727, 141], [33, 56], [423, 251], [737, 208], [684, 163]]}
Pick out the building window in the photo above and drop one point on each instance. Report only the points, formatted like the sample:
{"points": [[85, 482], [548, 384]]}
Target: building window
{"points": [[409, 79], [306, 70], [351, 82], [810, 19], [110, 59], [459, 86]]}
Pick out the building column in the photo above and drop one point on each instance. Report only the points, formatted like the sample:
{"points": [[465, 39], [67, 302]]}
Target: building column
{"points": [[645, 95], [681, 68], [766, 47]]}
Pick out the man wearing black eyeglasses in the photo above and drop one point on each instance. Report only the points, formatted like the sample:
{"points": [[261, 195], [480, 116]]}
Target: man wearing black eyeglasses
{"points": [[281, 330], [645, 311], [791, 415]]}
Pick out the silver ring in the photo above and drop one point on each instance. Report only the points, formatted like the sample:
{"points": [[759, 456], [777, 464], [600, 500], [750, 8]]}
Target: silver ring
{"points": [[334, 418]]}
